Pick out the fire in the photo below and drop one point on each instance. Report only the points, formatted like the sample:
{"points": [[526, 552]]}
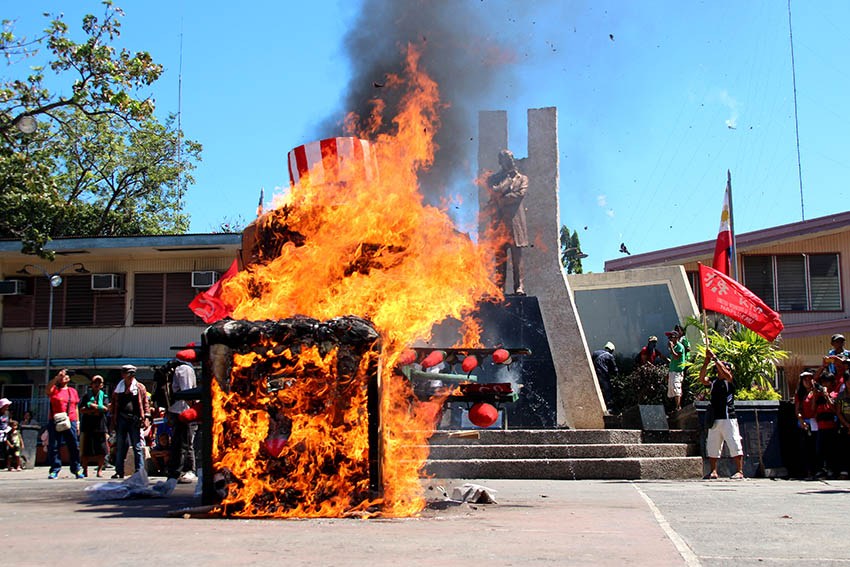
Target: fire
{"points": [[370, 248]]}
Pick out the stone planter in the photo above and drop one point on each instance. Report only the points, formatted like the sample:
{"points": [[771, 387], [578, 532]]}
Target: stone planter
{"points": [[685, 418], [758, 422], [645, 417]]}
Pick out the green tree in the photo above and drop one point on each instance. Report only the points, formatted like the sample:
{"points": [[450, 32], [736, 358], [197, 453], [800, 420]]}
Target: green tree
{"points": [[570, 251], [87, 157]]}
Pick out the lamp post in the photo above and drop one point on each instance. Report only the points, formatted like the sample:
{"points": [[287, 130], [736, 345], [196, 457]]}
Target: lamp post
{"points": [[570, 255], [54, 280]]}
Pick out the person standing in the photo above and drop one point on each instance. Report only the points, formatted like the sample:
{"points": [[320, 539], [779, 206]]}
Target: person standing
{"points": [[838, 357], [93, 426], [5, 419], [63, 400], [130, 406], [676, 370], [822, 400], [806, 425], [724, 429], [508, 188], [181, 457], [606, 367], [14, 447], [650, 353]]}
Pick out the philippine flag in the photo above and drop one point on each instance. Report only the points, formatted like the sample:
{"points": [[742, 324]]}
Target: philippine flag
{"points": [[723, 247]]}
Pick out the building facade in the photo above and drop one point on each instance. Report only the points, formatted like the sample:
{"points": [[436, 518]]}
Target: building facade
{"points": [[798, 269], [117, 301]]}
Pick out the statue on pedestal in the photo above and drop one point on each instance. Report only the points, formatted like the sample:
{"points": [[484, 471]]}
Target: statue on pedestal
{"points": [[508, 188]]}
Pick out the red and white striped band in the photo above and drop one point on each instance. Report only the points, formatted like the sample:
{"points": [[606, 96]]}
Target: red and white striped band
{"points": [[332, 160]]}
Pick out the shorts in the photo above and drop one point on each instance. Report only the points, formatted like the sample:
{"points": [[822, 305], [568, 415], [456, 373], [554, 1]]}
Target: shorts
{"points": [[724, 430], [674, 383]]}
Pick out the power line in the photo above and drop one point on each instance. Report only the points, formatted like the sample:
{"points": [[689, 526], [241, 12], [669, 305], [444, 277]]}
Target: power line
{"points": [[796, 122]]}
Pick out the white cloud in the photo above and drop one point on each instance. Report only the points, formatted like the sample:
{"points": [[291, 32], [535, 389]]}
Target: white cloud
{"points": [[729, 102], [602, 201]]}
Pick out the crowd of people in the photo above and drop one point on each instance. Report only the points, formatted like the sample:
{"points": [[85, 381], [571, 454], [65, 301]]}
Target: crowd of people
{"points": [[823, 415], [101, 429], [821, 403]]}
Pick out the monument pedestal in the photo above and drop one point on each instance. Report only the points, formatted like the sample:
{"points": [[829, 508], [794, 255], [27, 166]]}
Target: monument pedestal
{"points": [[518, 323]]}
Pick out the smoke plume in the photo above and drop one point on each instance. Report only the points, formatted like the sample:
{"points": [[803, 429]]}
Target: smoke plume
{"points": [[460, 51]]}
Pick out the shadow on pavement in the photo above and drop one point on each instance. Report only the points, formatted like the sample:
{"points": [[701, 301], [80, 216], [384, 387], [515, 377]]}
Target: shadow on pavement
{"points": [[136, 507]]}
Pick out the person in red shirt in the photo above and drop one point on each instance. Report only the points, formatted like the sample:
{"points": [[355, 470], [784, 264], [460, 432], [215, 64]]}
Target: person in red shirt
{"points": [[63, 399], [822, 401], [806, 425]]}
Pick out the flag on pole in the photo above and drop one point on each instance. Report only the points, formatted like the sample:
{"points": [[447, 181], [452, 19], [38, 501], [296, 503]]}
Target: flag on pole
{"points": [[723, 247], [723, 294], [208, 304], [260, 204]]}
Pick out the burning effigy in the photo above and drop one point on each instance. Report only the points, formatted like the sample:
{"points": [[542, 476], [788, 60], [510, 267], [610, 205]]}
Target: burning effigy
{"points": [[310, 416]]}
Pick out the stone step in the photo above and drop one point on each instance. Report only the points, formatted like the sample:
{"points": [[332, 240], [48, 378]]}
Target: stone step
{"points": [[557, 451], [568, 469], [540, 437]]}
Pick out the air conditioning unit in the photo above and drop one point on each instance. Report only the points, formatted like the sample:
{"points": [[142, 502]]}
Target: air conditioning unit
{"points": [[105, 282], [13, 287], [204, 279]]}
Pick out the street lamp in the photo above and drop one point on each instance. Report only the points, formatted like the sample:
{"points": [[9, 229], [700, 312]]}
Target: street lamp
{"points": [[579, 255], [54, 280]]}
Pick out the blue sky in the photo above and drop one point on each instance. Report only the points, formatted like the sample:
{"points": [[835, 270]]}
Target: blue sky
{"points": [[656, 100]]}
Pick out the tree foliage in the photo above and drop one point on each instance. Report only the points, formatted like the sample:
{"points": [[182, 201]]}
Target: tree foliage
{"points": [[86, 156], [570, 251], [754, 358]]}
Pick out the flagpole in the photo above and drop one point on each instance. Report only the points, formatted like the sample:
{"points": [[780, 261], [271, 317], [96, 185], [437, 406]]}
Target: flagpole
{"points": [[734, 248]]}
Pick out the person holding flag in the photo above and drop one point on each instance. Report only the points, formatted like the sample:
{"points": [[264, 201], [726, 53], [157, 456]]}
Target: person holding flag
{"points": [[724, 426]]}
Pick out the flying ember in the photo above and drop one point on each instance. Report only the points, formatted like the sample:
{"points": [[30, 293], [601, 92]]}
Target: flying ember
{"points": [[352, 254]]}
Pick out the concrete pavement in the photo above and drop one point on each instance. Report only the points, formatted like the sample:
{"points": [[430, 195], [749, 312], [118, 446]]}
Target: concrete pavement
{"points": [[535, 522]]}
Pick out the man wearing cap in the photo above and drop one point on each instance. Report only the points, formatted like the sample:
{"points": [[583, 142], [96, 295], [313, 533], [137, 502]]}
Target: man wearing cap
{"points": [[676, 370], [838, 354], [130, 406], [650, 354], [724, 428], [606, 367]]}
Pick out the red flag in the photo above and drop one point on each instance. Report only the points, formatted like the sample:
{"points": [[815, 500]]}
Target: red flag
{"points": [[723, 294], [208, 304], [722, 250]]}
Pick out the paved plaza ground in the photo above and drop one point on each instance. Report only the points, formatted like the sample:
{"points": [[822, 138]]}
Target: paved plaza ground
{"points": [[658, 523]]}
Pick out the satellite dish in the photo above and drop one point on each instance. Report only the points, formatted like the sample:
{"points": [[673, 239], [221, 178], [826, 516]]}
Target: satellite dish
{"points": [[26, 124]]}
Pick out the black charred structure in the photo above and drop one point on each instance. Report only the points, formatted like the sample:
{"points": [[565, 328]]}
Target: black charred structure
{"points": [[272, 382]]}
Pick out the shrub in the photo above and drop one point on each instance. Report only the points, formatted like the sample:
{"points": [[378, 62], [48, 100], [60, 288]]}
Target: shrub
{"points": [[754, 357]]}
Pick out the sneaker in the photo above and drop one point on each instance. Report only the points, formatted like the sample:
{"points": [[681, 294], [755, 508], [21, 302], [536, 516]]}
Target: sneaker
{"points": [[187, 477], [116, 475], [53, 474], [80, 474]]}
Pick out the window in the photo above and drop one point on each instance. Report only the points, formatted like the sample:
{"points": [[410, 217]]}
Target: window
{"points": [[75, 304], [795, 282], [693, 279], [163, 299]]}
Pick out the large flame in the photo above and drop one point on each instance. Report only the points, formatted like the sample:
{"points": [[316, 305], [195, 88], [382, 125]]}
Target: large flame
{"points": [[372, 249]]}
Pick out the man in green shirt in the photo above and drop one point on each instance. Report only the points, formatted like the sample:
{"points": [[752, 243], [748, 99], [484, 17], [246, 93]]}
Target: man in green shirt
{"points": [[675, 375]]}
